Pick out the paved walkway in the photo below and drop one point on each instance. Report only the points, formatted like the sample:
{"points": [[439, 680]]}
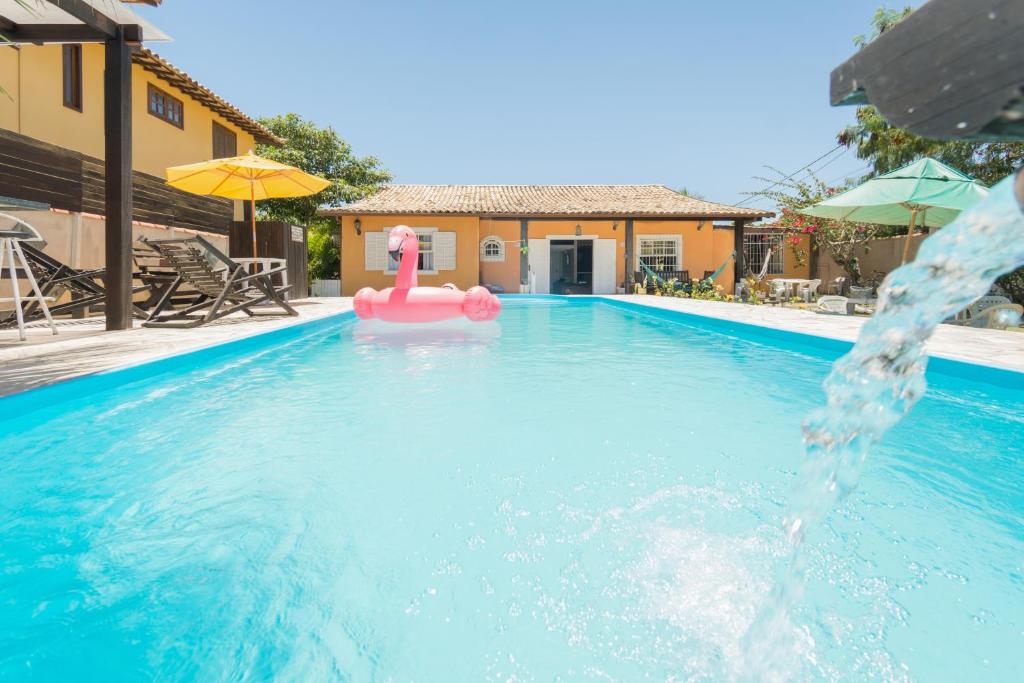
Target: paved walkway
{"points": [[83, 347], [996, 348]]}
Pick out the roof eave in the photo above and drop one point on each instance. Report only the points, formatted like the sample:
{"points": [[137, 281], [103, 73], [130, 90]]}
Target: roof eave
{"points": [[161, 68], [356, 211]]}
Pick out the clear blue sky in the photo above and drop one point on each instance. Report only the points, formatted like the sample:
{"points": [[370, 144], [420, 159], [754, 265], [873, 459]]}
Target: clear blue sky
{"points": [[685, 93]]}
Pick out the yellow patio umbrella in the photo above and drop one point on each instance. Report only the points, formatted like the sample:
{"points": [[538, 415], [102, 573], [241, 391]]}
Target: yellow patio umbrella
{"points": [[246, 177]]}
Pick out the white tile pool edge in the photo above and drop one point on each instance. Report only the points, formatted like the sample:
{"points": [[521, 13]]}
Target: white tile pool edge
{"points": [[990, 348]]}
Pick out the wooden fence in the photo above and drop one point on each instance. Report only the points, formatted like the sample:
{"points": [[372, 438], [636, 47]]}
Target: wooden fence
{"points": [[65, 179]]}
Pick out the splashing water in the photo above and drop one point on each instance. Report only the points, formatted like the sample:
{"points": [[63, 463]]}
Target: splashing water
{"points": [[871, 388]]}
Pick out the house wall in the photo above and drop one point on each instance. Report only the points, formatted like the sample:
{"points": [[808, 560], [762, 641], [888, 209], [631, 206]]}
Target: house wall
{"points": [[703, 247], [467, 251], [32, 77], [504, 273]]}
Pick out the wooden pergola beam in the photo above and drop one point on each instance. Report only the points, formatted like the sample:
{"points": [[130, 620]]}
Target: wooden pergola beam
{"points": [[88, 15]]}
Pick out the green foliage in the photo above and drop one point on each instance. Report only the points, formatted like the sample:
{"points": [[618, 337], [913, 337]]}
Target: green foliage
{"points": [[888, 148], [1013, 284], [322, 152], [883, 20], [324, 257], [686, 192]]}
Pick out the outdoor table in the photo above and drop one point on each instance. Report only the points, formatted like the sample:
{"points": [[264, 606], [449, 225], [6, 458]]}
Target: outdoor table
{"points": [[791, 282]]}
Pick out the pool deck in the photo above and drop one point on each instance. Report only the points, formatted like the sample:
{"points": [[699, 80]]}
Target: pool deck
{"points": [[83, 347], [994, 348]]}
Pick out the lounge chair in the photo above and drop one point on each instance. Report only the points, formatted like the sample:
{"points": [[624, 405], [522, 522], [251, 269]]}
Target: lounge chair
{"points": [[834, 305], [56, 278], [222, 287], [991, 312]]}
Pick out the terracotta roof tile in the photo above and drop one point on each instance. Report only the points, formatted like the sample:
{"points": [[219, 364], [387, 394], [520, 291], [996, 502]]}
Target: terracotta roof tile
{"points": [[613, 201]]}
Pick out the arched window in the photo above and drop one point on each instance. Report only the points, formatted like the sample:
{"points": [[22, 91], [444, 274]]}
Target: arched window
{"points": [[492, 248]]}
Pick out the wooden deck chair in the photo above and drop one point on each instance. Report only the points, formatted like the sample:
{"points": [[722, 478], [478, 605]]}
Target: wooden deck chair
{"points": [[55, 279], [222, 287]]}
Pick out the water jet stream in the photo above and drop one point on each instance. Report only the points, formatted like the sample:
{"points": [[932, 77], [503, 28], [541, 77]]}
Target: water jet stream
{"points": [[872, 388]]}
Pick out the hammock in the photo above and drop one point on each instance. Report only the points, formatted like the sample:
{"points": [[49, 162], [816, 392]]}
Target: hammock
{"points": [[711, 278], [764, 266]]}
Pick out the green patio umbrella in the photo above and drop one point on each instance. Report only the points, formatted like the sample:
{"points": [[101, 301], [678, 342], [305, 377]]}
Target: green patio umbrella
{"points": [[924, 193]]}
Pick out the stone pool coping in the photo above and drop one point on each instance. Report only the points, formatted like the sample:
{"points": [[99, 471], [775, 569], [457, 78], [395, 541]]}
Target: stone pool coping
{"points": [[75, 353], [55, 359], [992, 348]]}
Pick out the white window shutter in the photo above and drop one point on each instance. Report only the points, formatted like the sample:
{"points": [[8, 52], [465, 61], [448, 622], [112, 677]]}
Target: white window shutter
{"points": [[375, 245], [444, 251]]}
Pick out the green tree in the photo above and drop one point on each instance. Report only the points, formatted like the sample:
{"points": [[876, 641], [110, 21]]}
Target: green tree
{"points": [[887, 147], [322, 152]]}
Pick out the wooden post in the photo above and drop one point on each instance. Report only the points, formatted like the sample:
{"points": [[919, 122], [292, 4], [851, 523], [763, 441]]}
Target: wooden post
{"points": [[117, 124], [524, 259], [739, 267], [629, 256], [910, 236]]}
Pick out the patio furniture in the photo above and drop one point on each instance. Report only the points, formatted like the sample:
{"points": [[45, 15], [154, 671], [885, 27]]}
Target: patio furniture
{"points": [[998, 316], [925, 193], [12, 238], [808, 290], [990, 311], [833, 305], [222, 286], [836, 286], [778, 291]]}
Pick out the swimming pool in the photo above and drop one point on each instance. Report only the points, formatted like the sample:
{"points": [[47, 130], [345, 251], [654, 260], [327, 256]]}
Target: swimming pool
{"points": [[584, 491]]}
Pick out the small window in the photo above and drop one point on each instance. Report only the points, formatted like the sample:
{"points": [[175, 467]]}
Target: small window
{"points": [[660, 253], [426, 264], [492, 249], [225, 142], [73, 77], [166, 107], [755, 251]]}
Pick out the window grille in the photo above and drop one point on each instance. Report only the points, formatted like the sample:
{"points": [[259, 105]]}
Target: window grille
{"points": [[755, 249]]}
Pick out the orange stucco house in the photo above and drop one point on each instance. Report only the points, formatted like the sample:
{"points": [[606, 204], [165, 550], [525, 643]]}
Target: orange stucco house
{"points": [[561, 239]]}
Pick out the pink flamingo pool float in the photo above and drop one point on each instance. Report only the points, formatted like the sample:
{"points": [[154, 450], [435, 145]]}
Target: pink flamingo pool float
{"points": [[407, 303]]}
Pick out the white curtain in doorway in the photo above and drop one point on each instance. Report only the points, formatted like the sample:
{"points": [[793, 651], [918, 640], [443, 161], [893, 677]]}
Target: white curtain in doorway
{"points": [[539, 259]]}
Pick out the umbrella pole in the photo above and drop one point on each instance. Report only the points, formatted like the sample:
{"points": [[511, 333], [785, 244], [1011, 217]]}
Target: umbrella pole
{"points": [[252, 215], [910, 236]]}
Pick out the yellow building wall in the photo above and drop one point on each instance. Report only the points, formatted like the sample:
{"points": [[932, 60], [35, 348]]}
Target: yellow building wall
{"points": [[504, 273], [32, 77], [699, 249], [354, 275], [722, 248]]}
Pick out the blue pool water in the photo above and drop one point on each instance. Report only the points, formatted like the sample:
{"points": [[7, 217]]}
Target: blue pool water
{"points": [[583, 491]]}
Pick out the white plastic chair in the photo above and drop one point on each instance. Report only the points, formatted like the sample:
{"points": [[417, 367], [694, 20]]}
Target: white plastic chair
{"points": [[809, 290], [836, 305]]}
